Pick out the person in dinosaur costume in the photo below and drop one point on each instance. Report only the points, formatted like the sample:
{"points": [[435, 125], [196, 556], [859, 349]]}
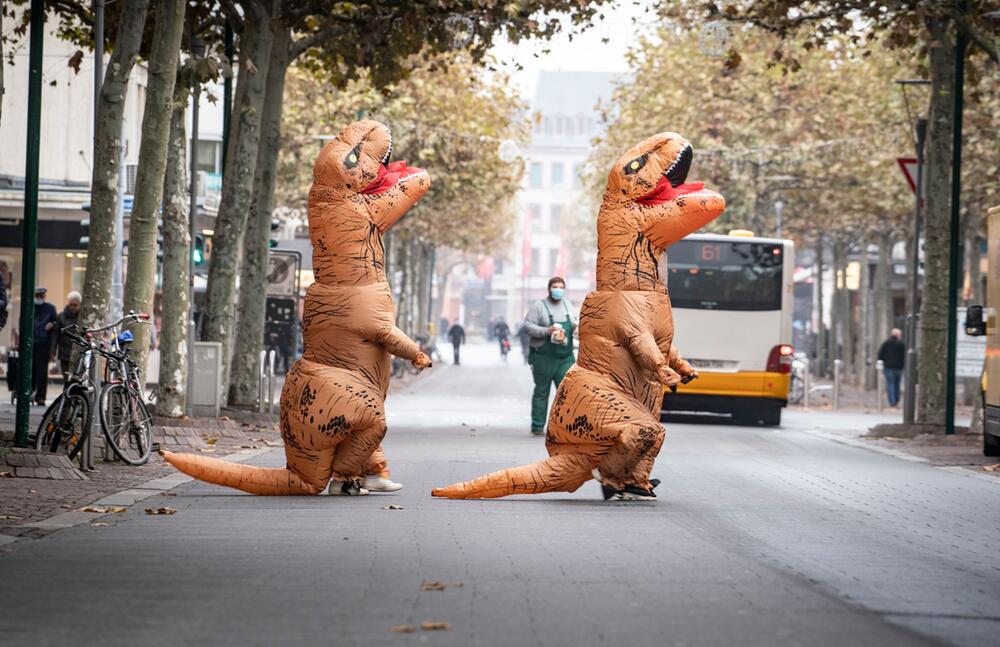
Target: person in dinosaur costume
{"points": [[332, 415], [604, 422]]}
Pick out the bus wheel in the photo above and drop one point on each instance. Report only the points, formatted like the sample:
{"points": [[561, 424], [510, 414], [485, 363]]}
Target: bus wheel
{"points": [[763, 416], [991, 445]]}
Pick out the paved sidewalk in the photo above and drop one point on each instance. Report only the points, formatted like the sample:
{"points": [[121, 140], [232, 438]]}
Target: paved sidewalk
{"points": [[760, 537]]}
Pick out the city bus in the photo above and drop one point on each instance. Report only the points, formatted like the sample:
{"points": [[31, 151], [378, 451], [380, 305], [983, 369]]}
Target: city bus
{"points": [[732, 304]]}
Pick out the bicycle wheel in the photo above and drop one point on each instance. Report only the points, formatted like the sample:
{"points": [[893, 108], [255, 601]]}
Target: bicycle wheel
{"points": [[126, 424], [65, 425]]}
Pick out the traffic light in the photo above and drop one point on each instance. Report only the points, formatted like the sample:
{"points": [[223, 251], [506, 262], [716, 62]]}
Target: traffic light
{"points": [[198, 251], [273, 242]]}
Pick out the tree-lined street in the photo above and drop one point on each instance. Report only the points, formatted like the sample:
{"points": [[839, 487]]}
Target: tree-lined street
{"points": [[759, 537]]}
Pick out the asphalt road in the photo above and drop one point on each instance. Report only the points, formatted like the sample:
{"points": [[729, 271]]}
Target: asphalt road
{"points": [[760, 537]]}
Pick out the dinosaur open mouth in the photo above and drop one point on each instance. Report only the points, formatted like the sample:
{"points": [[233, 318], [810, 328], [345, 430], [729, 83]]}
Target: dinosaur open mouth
{"points": [[390, 175], [672, 183]]}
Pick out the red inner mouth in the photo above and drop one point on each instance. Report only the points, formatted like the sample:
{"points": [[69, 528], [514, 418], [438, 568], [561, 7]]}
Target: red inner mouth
{"points": [[389, 175], [664, 192]]}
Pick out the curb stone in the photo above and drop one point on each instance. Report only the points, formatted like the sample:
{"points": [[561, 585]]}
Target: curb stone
{"points": [[124, 498]]}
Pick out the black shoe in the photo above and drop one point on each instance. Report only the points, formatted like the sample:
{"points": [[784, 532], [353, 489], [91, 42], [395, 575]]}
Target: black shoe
{"points": [[610, 493], [633, 493], [653, 483], [537, 432]]}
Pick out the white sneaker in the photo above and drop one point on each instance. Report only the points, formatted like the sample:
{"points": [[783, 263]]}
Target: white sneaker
{"points": [[381, 484], [347, 488]]}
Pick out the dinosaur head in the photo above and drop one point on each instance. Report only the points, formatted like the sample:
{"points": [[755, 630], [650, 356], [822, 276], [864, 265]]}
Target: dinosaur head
{"points": [[355, 166], [650, 182]]}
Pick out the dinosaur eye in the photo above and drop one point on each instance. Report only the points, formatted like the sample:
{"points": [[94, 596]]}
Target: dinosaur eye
{"points": [[636, 164], [353, 157]]}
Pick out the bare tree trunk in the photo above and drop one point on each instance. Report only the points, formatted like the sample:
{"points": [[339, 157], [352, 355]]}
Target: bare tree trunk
{"points": [[237, 185], [3, 88], [253, 295], [883, 295], [424, 289], [822, 356], [401, 261], [838, 314], [140, 280], [107, 155], [863, 355], [934, 313], [172, 396]]}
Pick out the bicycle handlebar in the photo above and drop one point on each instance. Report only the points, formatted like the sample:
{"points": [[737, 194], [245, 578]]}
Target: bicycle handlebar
{"points": [[137, 317]]}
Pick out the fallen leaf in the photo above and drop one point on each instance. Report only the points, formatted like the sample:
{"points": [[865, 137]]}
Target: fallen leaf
{"points": [[93, 508], [8, 516], [99, 524], [392, 507], [992, 468], [206, 449], [402, 629], [117, 508], [65, 505], [6, 475], [211, 441], [435, 586], [435, 626], [248, 446], [33, 491], [168, 494], [163, 510]]}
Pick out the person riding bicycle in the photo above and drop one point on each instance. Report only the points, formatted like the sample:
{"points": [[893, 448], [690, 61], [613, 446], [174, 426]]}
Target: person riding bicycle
{"points": [[502, 333]]}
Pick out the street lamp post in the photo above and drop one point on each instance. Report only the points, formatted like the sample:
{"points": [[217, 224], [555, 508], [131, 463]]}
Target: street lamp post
{"points": [[779, 207], [910, 394], [197, 50], [912, 317]]}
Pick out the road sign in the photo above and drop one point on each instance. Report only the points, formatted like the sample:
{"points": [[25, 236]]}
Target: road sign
{"points": [[909, 167], [971, 351], [282, 273]]}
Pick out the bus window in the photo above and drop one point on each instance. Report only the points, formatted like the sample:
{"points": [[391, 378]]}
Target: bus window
{"points": [[722, 275]]}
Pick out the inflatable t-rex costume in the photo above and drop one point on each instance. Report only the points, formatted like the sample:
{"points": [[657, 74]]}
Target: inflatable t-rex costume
{"points": [[604, 422], [332, 416]]}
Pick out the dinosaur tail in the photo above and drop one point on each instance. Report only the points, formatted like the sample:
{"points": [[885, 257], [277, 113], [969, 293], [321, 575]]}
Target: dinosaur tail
{"points": [[562, 473], [268, 481]]}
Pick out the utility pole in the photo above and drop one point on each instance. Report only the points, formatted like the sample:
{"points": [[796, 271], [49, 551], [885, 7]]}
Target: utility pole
{"points": [[29, 241], [197, 50], [954, 266], [910, 394]]}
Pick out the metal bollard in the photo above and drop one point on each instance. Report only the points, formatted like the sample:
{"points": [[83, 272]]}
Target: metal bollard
{"points": [[880, 384], [87, 451], [806, 379], [260, 381], [836, 382], [270, 379]]}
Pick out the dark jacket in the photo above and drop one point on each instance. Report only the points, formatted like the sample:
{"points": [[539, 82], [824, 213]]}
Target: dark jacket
{"points": [[44, 314], [3, 304], [892, 352], [457, 335], [64, 320]]}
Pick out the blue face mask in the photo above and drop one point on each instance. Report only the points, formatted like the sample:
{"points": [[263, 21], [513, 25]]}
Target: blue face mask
{"points": [[557, 293]]}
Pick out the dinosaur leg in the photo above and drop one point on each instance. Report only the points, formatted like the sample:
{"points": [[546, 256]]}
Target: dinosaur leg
{"points": [[377, 464], [305, 473], [630, 460], [354, 453], [561, 473]]}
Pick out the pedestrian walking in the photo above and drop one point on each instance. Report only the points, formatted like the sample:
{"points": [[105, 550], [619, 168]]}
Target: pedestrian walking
{"points": [[69, 317], [550, 323], [524, 339], [45, 323], [457, 336], [892, 352]]}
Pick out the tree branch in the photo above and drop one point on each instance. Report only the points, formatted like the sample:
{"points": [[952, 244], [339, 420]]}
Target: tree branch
{"points": [[297, 47], [978, 37]]}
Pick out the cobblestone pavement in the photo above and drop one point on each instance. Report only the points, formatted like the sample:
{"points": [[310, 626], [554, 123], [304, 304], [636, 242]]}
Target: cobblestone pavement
{"points": [[801, 535]]}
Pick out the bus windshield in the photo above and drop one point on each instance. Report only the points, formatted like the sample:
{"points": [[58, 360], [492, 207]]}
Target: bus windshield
{"points": [[722, 275]]}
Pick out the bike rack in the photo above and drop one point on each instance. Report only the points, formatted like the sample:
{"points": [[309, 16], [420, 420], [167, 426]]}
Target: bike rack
{"points": [[880, 384]]}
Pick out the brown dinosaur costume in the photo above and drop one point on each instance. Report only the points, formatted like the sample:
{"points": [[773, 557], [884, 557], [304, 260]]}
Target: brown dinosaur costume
{"points": [[332, 416], [605, 419]]}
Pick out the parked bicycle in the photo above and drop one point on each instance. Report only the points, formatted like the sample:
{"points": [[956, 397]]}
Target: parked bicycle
{"points": [[125, 420]]}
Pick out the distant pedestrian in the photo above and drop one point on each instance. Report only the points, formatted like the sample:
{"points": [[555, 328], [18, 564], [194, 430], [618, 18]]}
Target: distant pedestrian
{"points": [[892, 352], [45, 323], [550, 322], [3, 302], [457, 336], [524, 339], [69, 317]]}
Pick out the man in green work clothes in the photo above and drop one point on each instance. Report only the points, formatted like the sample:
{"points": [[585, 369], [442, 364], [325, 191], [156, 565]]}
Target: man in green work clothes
{"points": [[550, 324]]}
